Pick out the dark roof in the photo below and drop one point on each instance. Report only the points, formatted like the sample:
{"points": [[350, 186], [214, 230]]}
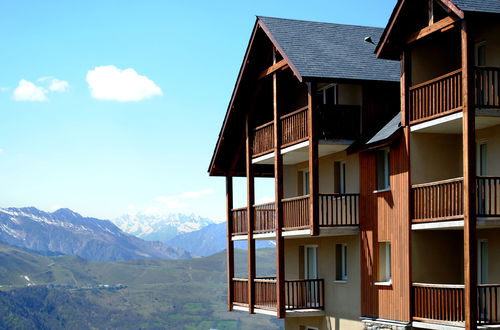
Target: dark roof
{"points": [[387, 131], [327, 50], [485, 6]]}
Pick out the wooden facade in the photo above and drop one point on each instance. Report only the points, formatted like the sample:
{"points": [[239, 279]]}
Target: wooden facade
{"points": [[434, 100]]}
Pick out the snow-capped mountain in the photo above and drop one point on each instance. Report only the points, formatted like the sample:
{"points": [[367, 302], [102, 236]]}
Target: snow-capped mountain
{"points": [[67, 232], [160, 228]]}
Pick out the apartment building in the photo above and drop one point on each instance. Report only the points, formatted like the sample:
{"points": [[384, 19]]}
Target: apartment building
{"points": [[387, 173]]}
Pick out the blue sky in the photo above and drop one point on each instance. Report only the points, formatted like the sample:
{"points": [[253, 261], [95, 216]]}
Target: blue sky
{"points": [[78, 131]]}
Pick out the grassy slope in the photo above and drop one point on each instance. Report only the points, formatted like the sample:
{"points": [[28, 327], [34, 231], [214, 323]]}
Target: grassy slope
{"points": [[189, 294]]}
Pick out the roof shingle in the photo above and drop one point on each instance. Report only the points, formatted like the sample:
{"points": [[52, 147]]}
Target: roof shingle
{"points": [[328, 50], [484, 6]]}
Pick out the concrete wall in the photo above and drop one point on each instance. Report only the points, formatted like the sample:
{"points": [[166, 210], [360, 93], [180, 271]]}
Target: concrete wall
{"points": [[489, 31], [435, 157], [491, 136], [293, 182], [342, 299], [437, 256], [493, 238]]}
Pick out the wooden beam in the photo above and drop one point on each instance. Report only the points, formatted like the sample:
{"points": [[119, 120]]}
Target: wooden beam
{"points": [[405, 83], [312, 127], [444, 23], [453, 8], [230, 243], [273, 68], [278, 206], [469, 156], [250, 218]]}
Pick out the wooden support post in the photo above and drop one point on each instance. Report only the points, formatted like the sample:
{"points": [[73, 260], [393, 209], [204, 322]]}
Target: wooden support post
{"points": [[250, 217], [312, 128], [405, 120], [469, 162], [230, 243], [278, 179]]}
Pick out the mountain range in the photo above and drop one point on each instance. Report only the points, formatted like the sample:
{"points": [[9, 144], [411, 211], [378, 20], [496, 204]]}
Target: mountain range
{"points": [[160, 227], [67, 232]]}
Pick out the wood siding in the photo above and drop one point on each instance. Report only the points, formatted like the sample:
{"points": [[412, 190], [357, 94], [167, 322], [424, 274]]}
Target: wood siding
{"points": [[384, 216]]}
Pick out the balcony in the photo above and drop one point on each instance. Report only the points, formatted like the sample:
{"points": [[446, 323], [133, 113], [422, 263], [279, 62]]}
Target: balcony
{"points": [[443, 200], [335, 210], [443, 95], [444, 304], [337, 122], [299, 294]]}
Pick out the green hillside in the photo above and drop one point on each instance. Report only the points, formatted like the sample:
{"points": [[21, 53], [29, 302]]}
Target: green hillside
{"points": [[70, 292]]}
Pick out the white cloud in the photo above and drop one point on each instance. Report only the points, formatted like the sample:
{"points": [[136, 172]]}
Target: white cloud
{"points": [[111, 83], [4, 89], [196, 194], [28, 91], [54, 84]]}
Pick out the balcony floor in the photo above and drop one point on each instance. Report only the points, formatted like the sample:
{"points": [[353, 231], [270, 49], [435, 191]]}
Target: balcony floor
{"points": [[299, 152], [452, 124], [304, 233], [482, 223]]}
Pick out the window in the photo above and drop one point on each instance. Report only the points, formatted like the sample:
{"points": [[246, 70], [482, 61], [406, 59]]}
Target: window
{"points": [[328, 95], [481, 54], [339, 169], [482, 165], [482, 261], [305, 182], [383, 171], [341, 262], [311, 262], [384, 256]]}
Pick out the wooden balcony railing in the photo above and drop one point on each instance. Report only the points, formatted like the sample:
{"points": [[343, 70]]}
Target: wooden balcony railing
{"points": [[444, 303], [240, 291], [441, 302], [296, 213], [488, 304], [488, 196], [338, 210], [335, 122], [294, 127], [265, 293], [436, 97], [438, 201], [265, 218], [487, 87], [304, 294], [263, 139], [239, 220]]}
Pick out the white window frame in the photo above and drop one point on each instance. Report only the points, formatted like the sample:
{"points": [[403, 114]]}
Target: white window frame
{"points": [[482, 261], [385, 271], [342, 263], [305, 182], [308, 276], [323, 90], [477, 46], [480, 160], [386, 170]]}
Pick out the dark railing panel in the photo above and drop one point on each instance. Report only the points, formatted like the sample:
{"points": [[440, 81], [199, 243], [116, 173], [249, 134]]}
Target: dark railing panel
{"points": [[438, 201], [487, 87], [488, 303], [339, 121], [437, 97], [488, 196], [304, 294], [338, 210], [240, 291], [263, 139], [265, 218], [265, 293], [294, 127], [296, 213], [239, 220], [438, 302]]}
